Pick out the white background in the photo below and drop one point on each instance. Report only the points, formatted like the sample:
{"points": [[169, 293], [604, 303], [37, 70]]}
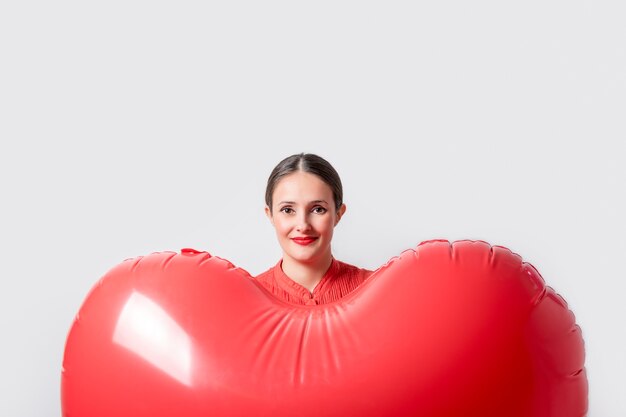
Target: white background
{"points": [[131, 127]]}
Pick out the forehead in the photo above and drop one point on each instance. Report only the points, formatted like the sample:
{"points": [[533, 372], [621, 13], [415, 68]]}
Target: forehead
{"points": [[302, 186]]}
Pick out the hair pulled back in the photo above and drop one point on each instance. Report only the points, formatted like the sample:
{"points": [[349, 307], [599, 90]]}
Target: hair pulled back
{"points": [[306, 162]]}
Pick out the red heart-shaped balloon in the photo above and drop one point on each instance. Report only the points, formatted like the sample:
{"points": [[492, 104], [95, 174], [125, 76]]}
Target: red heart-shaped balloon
{"points": [[462, 329]]}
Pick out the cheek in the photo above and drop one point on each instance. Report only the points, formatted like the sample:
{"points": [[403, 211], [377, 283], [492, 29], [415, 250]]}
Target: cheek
{"points": [[282, 227], [325, 225]]}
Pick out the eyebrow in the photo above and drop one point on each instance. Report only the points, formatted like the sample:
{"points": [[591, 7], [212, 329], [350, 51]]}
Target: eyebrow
{"points": [[314, 201]]}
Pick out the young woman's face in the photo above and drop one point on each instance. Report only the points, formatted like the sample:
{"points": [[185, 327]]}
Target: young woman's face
{"points": [[304, 216]]}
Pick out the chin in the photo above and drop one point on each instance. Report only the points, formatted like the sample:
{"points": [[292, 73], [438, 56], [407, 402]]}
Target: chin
{"points": [[302, 258], [303, 254]]}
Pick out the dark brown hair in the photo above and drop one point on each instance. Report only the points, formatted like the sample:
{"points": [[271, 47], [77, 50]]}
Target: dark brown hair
{"points": [[310, 163]]}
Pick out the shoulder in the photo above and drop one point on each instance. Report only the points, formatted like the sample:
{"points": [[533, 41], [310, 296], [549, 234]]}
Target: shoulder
{"points": [[267, 276], [264, 276], [350, 271]]}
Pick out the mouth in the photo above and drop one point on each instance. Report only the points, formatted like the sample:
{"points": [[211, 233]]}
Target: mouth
{"points": [[304, 240]]}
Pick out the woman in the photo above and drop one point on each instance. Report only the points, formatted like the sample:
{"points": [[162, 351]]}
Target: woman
{"points": [[304, 202]]}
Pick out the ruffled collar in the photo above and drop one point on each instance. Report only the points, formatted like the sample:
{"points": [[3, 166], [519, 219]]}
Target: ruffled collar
{"points": [[297, 290]]}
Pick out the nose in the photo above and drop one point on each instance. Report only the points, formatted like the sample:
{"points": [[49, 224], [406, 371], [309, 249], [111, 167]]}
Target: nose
{"points": [[303, 223]]}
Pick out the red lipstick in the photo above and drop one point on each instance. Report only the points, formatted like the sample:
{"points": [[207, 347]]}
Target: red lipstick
{"points": [[304, 240]]}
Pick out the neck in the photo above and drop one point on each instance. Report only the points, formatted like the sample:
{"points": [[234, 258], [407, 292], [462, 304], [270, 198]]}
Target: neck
{"points": [[307, 274]]}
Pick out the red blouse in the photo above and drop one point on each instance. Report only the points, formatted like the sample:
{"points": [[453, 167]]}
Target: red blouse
{"points": [[340, 279]]}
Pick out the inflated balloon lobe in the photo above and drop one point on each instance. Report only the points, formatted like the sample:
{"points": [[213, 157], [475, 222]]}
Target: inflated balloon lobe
{"points": [[442, 330]]}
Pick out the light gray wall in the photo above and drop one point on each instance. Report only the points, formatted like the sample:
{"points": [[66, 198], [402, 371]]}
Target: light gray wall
{"points": [[133, 127]]}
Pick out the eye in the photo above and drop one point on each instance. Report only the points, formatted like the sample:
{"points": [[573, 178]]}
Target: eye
{"points": [[286, 210], [319, 210]]}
